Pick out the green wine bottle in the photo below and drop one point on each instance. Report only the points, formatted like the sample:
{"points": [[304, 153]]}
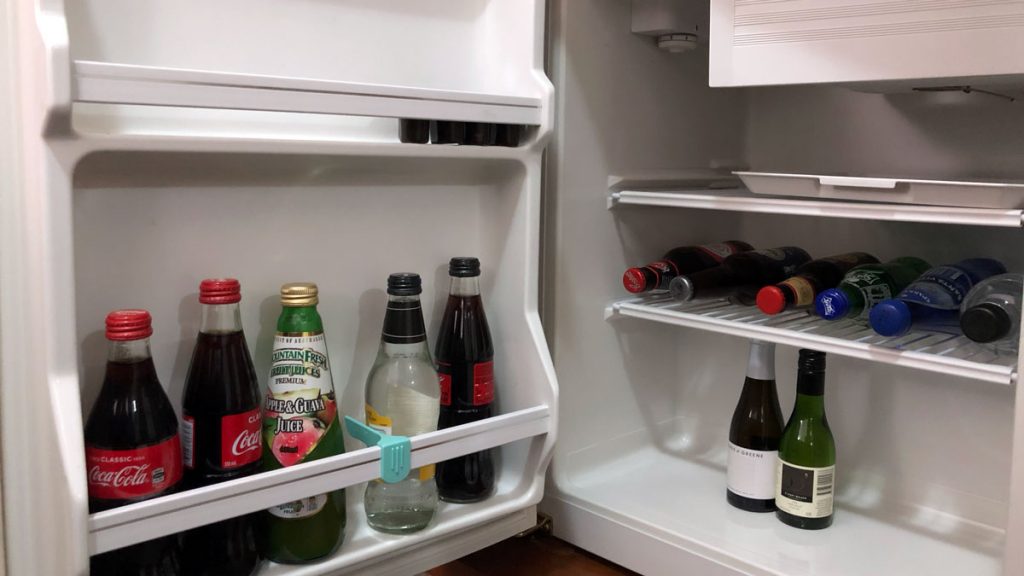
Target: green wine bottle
{"points": [[805, 485], [300, 424]]}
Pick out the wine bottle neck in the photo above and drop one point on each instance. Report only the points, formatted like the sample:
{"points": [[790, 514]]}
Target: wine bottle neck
{"points": [[810, 394], [221, 318], [761, 364], [128, 351], [809, 406], [468, 286]]}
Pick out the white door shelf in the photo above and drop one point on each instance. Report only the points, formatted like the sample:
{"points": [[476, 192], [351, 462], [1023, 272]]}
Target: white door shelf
{"points": [[943, 353], [740, 200], [135, 523], [111, 83]]}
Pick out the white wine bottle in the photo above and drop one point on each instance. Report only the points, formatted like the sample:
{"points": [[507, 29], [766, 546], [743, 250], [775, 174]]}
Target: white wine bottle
{"points": [[754, 435]]}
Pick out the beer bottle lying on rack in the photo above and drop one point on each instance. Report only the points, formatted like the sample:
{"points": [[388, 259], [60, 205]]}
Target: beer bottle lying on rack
{"points": [[799, 290], [867, 285], [751, 268]]}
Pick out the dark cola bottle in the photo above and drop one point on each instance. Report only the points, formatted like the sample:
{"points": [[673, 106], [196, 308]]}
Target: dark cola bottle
{"points": [[465, 359], [221, 429], [132, 450]]}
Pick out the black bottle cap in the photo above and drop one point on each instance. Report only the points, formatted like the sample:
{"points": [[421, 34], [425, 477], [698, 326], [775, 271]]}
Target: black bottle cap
{"points": [[464, 267], [404, 284], [811, 361], [985, 322]]}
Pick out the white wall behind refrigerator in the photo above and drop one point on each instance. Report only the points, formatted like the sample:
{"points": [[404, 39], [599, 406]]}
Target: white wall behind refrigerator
{"points": [[638, 474]]}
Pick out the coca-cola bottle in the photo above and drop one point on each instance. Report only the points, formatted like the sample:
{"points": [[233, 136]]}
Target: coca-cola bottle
{"points": [[679, 261], [465, 364], [132, 451], [220, 429]]}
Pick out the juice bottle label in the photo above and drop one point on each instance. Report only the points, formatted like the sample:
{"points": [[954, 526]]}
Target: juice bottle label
{"points": [[805, 492], [300, 508], [135, 473], [300, 404], [240, 439]]}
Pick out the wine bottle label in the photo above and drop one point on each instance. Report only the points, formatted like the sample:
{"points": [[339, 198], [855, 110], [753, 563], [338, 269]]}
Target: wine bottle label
{"points": [[717, 251], [240, 439], [188, 442], [751, 473], [805, 492], [300, 404], [802, 289], [135, 473], [300, 508]]}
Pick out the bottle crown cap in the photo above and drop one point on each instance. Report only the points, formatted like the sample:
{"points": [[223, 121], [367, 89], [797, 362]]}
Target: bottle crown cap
{"points": [[220, 291], [634, 281], [891, 317], [404, 284], [124, 325], [464, 267], [986, 322], [832, 304], [771, 300], [298, 294]]}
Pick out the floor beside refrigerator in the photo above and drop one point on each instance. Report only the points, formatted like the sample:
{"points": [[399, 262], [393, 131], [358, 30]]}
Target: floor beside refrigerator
{"points": [[533, 555], [671, 502]]}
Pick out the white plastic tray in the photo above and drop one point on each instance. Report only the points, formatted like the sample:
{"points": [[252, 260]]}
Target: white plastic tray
{"points": [[897, 190]]}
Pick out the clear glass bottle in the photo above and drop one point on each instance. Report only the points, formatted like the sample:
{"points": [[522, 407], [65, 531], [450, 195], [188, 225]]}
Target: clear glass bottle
{"points": [[403, 398], [991, 312]]}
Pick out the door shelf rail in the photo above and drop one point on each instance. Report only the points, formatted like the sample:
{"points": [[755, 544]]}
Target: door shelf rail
{"points": [[741, 200], [112, 83], [139, 522], [933, 352]]}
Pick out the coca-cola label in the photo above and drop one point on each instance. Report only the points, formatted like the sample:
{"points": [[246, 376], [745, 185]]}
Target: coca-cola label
{"points": [[133, 474], [483, 383], [240, 439], [446, 388], [188, 441], [300, 404]]}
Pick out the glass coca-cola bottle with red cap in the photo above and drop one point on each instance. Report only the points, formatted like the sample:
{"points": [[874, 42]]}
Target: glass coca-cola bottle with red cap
{"points": [[132, 450], [220, 430], [683, 260]]}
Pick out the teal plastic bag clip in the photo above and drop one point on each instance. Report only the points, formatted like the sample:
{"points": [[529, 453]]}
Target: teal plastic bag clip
{"points": [[395, 451]]}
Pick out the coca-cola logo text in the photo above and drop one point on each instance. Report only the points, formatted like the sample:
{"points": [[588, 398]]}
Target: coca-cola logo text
{"points": [[125, 477], [247, 441]]}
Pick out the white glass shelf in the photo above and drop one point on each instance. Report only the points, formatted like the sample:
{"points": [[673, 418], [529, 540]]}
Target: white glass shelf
{"points": [[111, 83], [943, 353], [740, 200], [135, 523]]}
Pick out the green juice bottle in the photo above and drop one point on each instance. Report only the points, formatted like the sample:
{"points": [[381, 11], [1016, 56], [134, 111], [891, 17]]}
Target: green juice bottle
{"points": [[805, 480], [300, 424]]}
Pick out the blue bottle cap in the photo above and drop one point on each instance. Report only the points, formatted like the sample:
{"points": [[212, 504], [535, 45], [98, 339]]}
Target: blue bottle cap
{"points": [[891, 317], [832, 304]]}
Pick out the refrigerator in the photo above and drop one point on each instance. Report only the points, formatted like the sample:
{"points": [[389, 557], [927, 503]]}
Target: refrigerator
{"points": [[149, 145]]}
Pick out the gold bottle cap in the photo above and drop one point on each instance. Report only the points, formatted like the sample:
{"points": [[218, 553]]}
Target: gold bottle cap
{"points": [[297, 294]]}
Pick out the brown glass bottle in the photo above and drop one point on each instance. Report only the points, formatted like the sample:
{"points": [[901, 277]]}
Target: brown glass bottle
{"points": [[465, 358], [679, 261]]}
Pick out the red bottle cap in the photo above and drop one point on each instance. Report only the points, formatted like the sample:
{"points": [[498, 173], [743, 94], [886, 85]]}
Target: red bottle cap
{"points": [[771, 300], [634, 281], [220, 291], [129, 325]]}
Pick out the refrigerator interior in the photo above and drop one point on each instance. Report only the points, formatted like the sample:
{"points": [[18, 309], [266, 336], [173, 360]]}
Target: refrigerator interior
{"points": [[168, 142], [638, 476]]}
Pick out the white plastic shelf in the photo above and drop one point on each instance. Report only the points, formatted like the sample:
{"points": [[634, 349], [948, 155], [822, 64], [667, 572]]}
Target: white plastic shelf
{"points": [[672, 505], [135, 523], [740, 200], [933, 352], [111, 83]]}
